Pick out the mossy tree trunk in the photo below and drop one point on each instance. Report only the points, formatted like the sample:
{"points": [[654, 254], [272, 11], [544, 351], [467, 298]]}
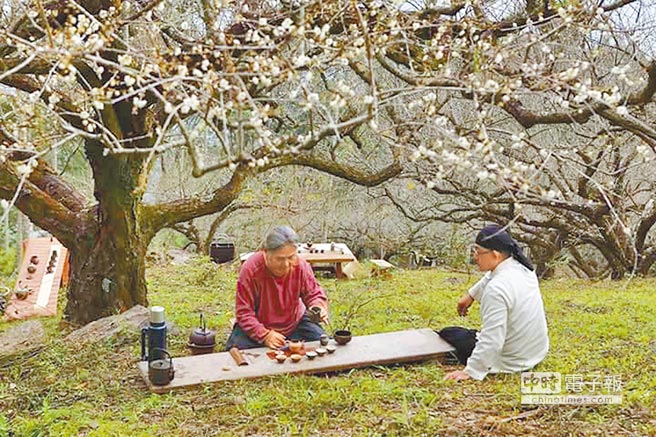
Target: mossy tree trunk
{"points": [[108, 253], [106, 277]]}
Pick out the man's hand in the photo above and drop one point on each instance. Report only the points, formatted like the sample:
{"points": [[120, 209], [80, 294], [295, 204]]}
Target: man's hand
{"points": [[274, 339], [458, 375], [464, 303]]}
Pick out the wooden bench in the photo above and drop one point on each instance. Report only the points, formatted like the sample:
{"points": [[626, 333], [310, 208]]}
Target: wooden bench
{"points": [[381, 267]]}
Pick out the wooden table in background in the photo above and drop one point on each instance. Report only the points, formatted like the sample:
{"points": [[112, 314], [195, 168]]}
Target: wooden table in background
{"points": [[321, 253], [336, 258]]}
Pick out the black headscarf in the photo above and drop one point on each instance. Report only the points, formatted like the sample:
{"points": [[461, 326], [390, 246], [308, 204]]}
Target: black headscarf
{"points": [[494, 237]]}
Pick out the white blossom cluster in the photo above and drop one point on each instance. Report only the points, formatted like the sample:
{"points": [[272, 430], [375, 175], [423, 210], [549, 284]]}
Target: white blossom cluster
{"points": [[259, 83]]}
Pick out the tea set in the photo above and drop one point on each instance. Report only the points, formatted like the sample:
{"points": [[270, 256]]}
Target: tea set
{"points": [[297, 347]]}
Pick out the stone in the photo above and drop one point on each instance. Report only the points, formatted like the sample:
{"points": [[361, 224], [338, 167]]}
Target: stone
{"points": [[179, 257], [24, 338], [133, 320], [107, 327]]}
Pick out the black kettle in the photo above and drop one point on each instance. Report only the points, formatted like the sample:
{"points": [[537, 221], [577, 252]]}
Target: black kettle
{"points": [[160, 372]]}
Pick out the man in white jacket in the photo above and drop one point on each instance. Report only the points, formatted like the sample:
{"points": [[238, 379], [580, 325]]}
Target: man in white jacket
{"points": [[513, 335]]}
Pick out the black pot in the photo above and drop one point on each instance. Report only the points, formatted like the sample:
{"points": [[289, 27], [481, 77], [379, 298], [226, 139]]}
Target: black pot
{"points": [[222, 252]]}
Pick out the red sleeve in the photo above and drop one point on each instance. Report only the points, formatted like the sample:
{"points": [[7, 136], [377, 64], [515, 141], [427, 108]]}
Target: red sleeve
{"points": [[312, 294], [246, 301]]}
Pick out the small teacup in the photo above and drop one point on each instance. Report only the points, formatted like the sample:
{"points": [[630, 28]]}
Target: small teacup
{"points": [[315, 314]]}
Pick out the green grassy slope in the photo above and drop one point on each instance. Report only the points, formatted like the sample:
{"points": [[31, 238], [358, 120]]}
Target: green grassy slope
{"points": [[603, 328]]}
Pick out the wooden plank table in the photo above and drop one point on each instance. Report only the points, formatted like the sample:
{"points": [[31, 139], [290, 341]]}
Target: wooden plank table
{"points": [[328, 253], [362, 351], [329, 258]]}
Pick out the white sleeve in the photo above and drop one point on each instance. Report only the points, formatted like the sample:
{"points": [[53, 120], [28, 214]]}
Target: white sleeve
{"points": [[494, 313], [477, 289]]}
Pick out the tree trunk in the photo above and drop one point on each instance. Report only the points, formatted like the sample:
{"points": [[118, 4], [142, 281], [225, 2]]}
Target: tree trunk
{"points": [[106, 278], [109, 252]]}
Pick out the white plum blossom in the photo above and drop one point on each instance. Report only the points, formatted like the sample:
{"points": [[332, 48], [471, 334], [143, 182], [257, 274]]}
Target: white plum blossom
{"points": [[125, 59], [301, 61], [622, 110], [189, 104], [139, 102]]}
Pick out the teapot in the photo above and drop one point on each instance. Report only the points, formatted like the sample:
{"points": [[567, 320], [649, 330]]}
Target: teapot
{"points": [[202, 340], [160, 372], [296, 346]]}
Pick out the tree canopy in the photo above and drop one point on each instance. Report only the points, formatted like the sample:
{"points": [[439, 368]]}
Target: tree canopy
{"points": [[365, 91]]}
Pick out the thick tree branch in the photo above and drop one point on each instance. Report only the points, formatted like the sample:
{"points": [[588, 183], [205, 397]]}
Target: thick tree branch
{"points": [[349, 173], [47, 180], [529, 118], [647, 93], [433, 13], [156, 217], [632, 124], [618, 4], [42, 208]]}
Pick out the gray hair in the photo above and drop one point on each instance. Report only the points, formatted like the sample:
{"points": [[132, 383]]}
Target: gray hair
{"points": [[280, 236]]}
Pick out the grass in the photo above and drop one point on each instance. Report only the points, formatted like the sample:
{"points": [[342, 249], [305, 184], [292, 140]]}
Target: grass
{"points": [[96, 391]]}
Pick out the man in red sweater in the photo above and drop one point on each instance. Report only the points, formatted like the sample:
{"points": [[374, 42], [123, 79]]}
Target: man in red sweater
{"points": [[274, 290]]}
